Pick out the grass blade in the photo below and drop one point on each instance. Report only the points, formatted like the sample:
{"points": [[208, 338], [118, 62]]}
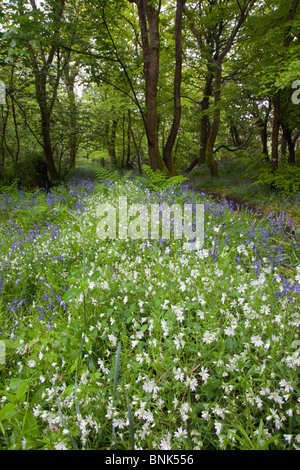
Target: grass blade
{"points": [[117, 369], [76, 374], [131, 426], [117, 364], [73, 443]]}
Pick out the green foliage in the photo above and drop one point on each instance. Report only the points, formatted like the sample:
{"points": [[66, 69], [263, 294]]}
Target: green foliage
{"points": [[285, 179], [30, 172], [260, 443], [207, 338], [160, 179], [220, 366], [131, 425], [16, 421], [99, 155], [117, 364], [104, 175], [8, 182]]}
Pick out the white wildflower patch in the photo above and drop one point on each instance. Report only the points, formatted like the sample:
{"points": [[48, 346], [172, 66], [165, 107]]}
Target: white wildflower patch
{"points": [[207, 337]]}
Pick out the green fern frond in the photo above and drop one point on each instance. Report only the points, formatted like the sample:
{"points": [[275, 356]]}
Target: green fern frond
{"points": [[104, 175], [175, 180], [127, 175], [155, 181], [160, 179]]}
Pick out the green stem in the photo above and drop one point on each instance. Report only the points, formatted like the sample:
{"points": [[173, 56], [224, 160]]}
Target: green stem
{"points": [[24, 420], [248, 413]]}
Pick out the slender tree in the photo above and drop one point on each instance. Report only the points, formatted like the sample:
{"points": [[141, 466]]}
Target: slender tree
{"points": [[148, 14], [70, 73], [167, 151], [215, 43], [279, 108]]}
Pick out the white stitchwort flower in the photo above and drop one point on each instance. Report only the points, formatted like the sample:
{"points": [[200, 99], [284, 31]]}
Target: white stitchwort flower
{"points": [[204, 374], [180, 434], [257, 341], [209, 337], [60, 446]]}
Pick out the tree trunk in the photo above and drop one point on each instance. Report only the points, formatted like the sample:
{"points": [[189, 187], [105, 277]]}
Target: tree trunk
{"points": [[217, 53], [287, 134], [275, 131], [53, 173], [283, 145], [191, 166], [204, 134], [41, 64], [151, 86], [70, 77], [41, 95], [3, 126], [112, 143], [167, 153], [14, 115], [278, 112], [205, 124], [123, 141], [16, 130], [149, 25], [129, 132], [264, 138], [296, 137], [209, 153], [262, 124], [235, 136]]}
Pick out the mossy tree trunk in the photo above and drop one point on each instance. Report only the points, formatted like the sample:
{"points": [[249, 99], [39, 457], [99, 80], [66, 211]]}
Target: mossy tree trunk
{"points": [[167, 152], [209, 152]]}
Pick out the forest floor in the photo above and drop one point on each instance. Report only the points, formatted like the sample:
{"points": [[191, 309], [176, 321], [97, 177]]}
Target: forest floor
{"points": [[239, 188], [142, 344], [289, 211]]}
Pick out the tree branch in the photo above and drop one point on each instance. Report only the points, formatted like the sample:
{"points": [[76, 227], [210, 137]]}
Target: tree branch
{"points": [[135, 100], [235, 149], [25, 119], [245, 10]]}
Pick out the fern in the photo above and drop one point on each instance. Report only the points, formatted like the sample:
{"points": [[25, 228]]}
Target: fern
{"points": [[104, 175], [10, 189], [160, 179], [154, 181], [127, 175], [286, 179]]}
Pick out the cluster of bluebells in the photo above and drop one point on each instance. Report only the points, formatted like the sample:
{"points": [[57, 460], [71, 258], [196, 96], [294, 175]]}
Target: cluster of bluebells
{"points": [[208, 337]]}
